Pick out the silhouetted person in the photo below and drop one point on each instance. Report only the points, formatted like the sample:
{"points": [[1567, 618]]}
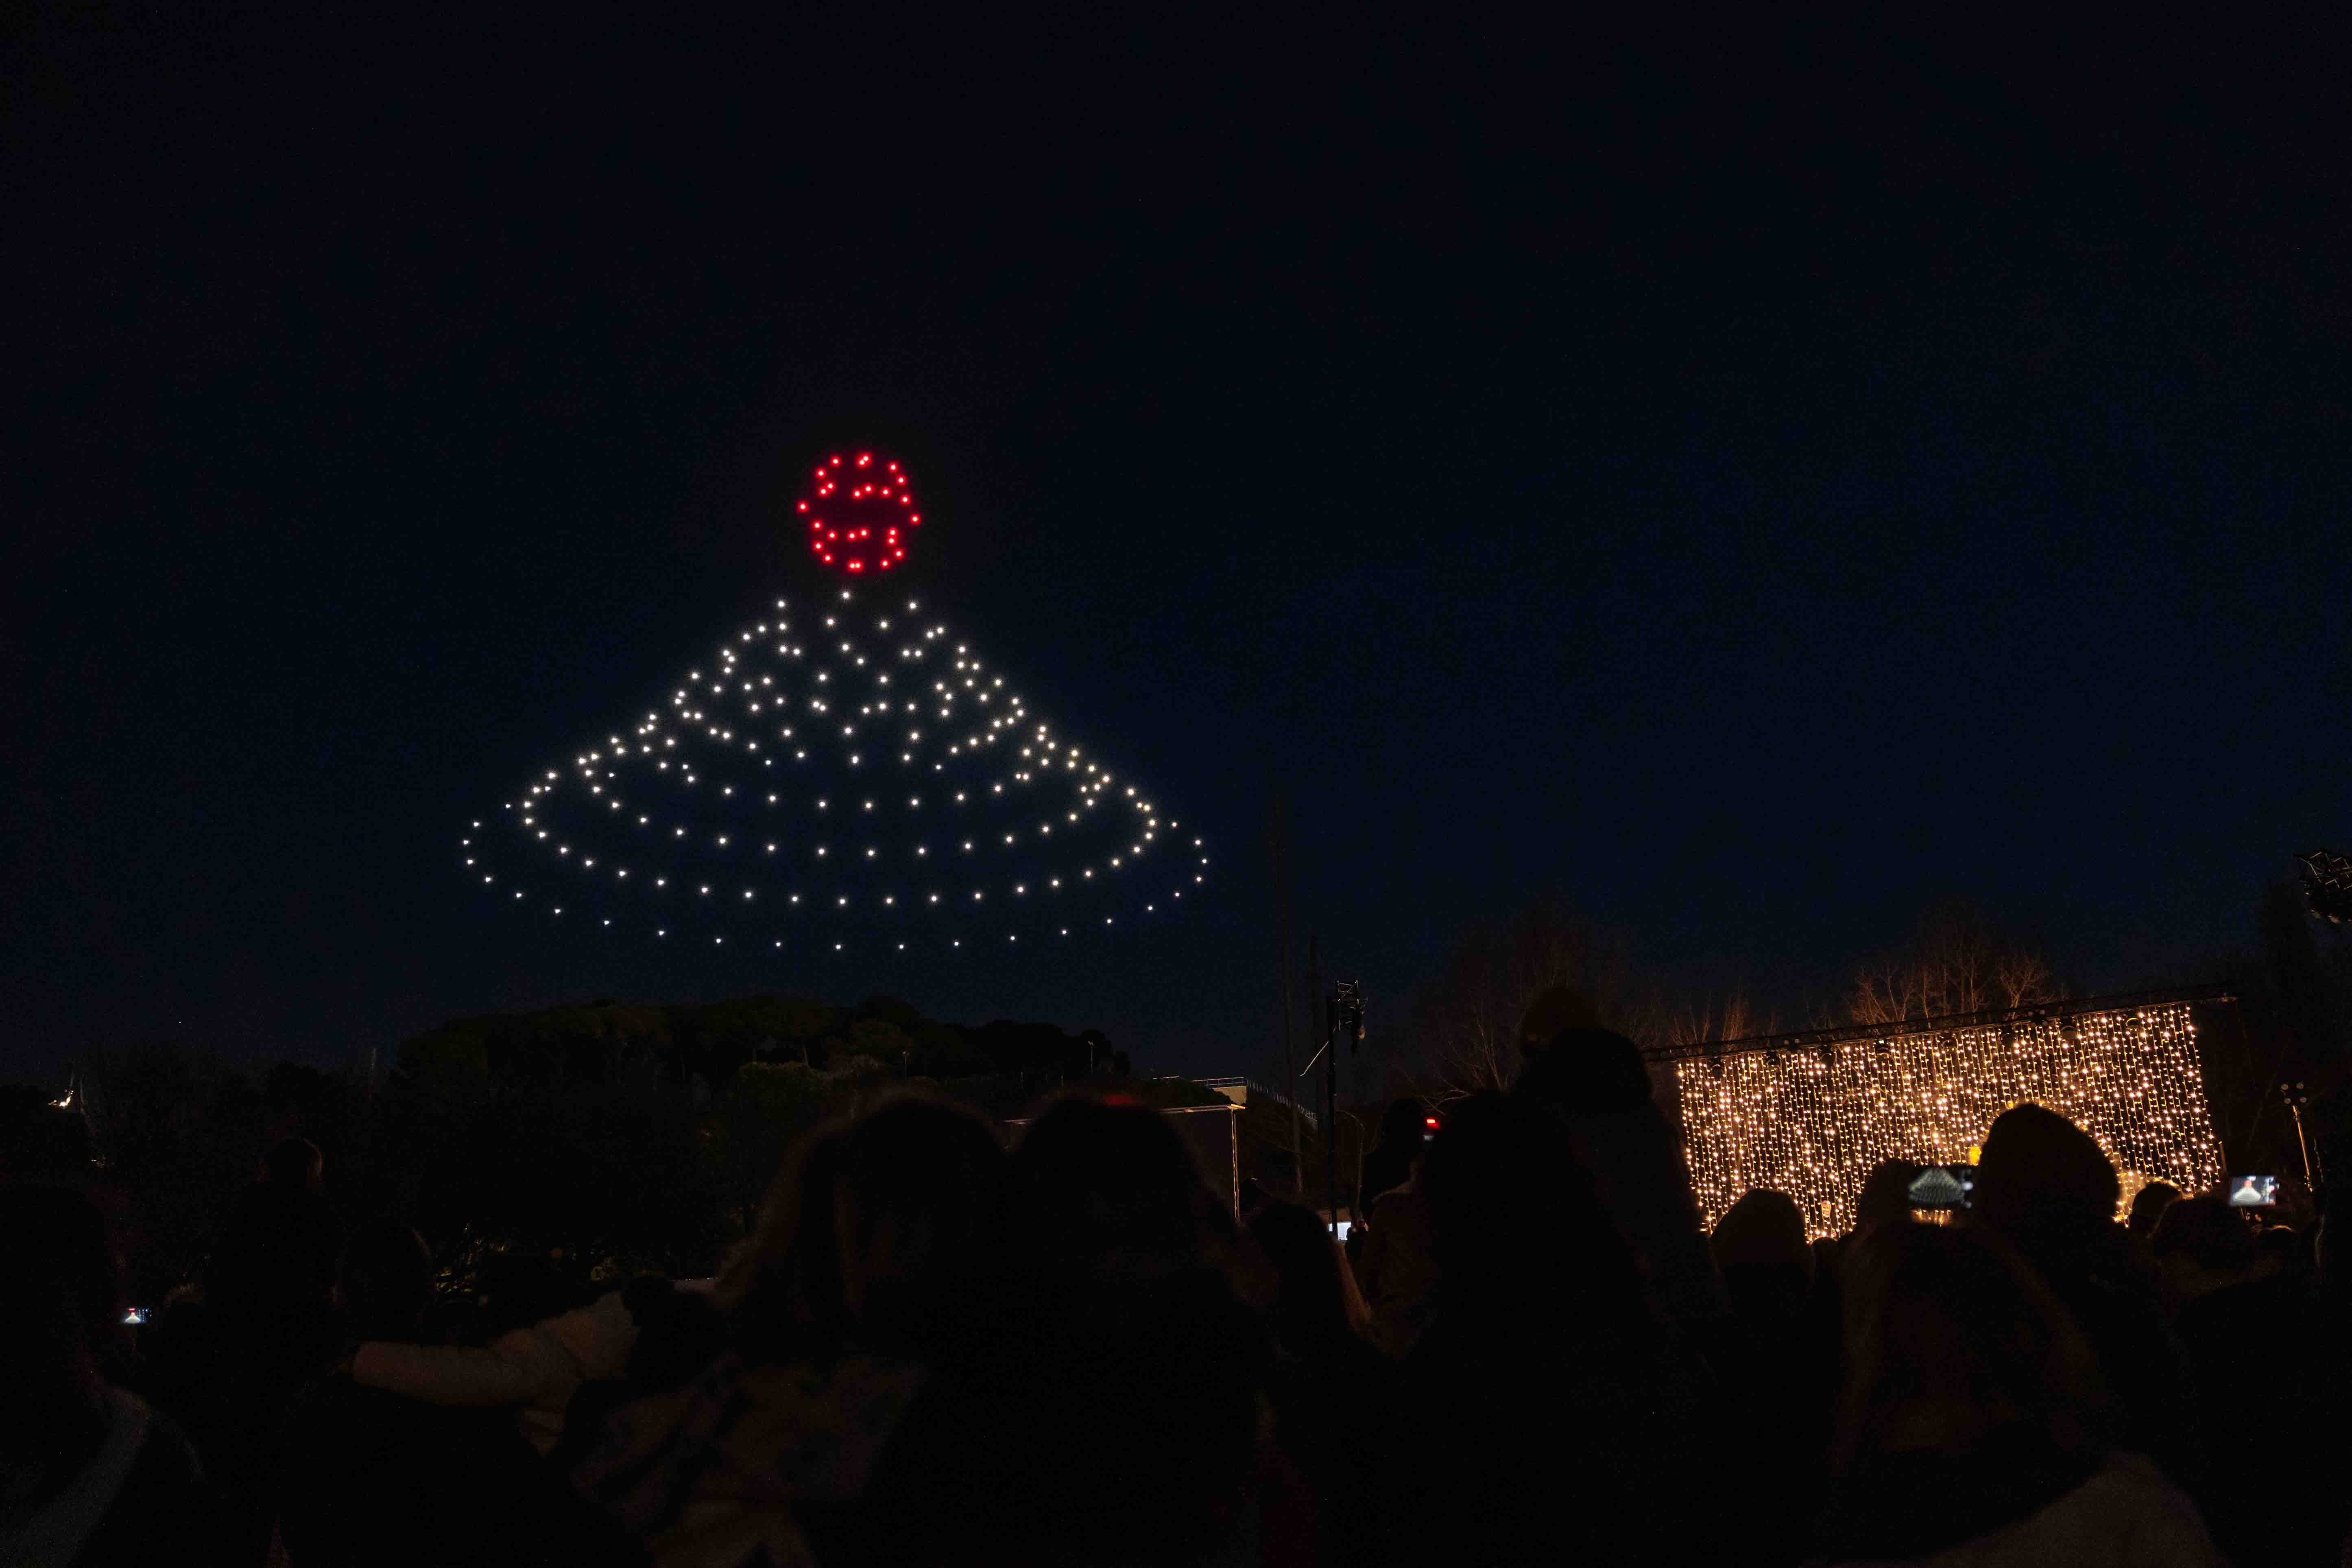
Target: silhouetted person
{"points": [[294, 1164], [89, 1475], [536, 1372], [2203, 1245], [1885, 1200], [230, 1366], [1404, 1127], [1966, 1429], [783, 1288], [276, 1253], [1317, 1310], [837, 1315], [2270, 1379], [1546, 1397], [781, 1301], [2049, 1191], [2277, 1249], [1096, 1399], [1594, 1083], [1780, 1372], [1554, 1010], [2329, 1380], [1334, 1396], [677, 1331], [385, 1281], [372, 1477], [1399, 1268], [2148, 1206], [1760, 1248]]}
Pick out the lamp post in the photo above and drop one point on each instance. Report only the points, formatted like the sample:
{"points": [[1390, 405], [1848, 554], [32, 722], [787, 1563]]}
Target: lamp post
{"points": [[1343, 1008], [2327, 883], [2296, 1097]]}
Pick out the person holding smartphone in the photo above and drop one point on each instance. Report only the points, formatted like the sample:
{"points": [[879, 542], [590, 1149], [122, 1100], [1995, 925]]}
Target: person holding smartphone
{"points": [[88, 1471]]}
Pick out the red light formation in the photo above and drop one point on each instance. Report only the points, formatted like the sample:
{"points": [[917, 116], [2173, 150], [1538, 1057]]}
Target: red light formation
{"points": [[860, 510]]}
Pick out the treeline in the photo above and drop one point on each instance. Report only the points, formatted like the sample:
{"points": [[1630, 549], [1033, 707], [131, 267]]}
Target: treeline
{"points": [[540, 1154], [606, 1040]]}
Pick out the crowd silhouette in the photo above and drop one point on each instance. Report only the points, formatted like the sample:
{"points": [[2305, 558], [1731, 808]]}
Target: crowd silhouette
{"points": [[931, 1348]]}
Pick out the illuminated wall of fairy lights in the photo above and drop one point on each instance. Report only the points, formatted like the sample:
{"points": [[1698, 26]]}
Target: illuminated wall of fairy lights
{"points": [[1812, 1123]]}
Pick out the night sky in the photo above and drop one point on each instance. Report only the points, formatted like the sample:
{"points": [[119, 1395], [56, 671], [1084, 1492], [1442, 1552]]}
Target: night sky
{"points": [[1752, 484]]}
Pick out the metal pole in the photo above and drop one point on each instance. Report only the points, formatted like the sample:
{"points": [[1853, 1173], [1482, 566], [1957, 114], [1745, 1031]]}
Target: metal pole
{"points": [[1331, 1113], [2294, 1095], [1314, 995], [1283, 965], [1233, 1142]]}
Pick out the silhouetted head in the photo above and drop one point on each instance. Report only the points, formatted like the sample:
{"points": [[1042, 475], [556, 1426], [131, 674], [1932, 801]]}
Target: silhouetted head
{"points": [[1759, 1247], [1586, 1070], [2203, 1244], [1096, 1396], [1093, 1179], [2278, 1246], [294, 1163], [277, 1251], [1311, 1306], [1558, 1009], [2147, 1205], [1885, 1197], [1951, 1338], [1515, 1224], [781, 1288], [1403, 1125], [916, 1177], [2039, 1168], [1405, 1128], [385, 1279]]}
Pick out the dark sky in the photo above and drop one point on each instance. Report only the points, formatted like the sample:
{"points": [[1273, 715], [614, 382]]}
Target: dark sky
{"points": [[1752, 483]]}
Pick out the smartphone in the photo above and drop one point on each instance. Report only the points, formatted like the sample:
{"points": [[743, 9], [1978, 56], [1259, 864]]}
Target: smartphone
{"points": [[2253, 1192], [1942, 1187]]}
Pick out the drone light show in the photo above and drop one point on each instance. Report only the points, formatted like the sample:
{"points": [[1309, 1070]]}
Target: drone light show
{"points": [[842, 773], [860, 512], [1810, 1115]]}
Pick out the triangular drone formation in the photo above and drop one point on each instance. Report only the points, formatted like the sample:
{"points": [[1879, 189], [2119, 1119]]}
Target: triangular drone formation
{"points": [[840, 775]]}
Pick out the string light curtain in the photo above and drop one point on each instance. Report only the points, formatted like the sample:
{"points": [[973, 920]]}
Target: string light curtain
{"points": [[1812, 1120]]}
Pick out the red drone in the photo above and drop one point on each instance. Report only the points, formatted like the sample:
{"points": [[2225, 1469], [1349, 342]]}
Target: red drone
{"points": [[859, 511]]}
